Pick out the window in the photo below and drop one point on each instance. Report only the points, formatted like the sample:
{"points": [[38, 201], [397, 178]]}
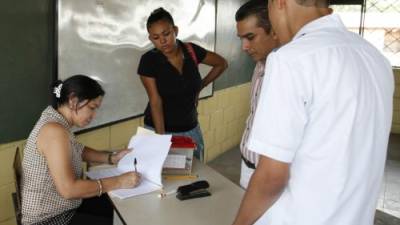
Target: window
{"points": [[378, 21]]}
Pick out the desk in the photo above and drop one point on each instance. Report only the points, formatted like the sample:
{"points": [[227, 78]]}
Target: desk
{"points": [[218, 209]]}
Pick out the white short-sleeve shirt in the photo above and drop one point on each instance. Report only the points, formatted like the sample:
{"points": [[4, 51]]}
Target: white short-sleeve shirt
{"points": [[326, 108]]}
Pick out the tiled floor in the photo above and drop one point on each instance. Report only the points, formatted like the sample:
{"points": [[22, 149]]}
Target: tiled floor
{"points": [[228, 164]]}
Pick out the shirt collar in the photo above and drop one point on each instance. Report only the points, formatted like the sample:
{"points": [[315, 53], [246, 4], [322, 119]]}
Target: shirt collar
{"points": [[259, 69], [180, 44], [50, 111], [324, 22]]}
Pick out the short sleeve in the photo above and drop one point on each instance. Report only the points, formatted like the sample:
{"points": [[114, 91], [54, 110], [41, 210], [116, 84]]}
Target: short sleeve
{"points": [[146, 65], [199, 51], [280, 117]]}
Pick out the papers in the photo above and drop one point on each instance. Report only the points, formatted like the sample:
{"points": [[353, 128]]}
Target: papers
{"points": [[145, 186], [150, 152], [144, 131], [175, 161]]}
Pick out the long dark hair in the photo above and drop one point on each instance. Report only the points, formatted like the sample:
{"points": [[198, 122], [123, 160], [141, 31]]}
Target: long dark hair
{"points": [[79, 86]]}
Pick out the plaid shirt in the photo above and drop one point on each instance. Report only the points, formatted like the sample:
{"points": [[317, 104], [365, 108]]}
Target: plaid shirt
{"points": [[41, 202]]}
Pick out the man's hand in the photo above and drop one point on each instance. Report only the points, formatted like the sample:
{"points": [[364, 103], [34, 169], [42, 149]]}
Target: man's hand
{"points": [[265, 187]]}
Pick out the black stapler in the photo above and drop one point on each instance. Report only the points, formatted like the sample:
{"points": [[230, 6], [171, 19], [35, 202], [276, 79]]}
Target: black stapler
{"points": [[196, 189]]}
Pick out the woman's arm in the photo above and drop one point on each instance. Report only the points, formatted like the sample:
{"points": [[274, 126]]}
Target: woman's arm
{"points": [[218, 64], [53, 142], [155, 103], [91, 155]]}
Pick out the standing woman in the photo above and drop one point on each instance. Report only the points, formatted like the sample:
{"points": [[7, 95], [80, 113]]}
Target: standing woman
{"points": [[52, 184], [170, 75]]}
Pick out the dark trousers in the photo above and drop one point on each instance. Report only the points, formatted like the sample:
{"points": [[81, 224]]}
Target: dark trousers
{"points": [[96, 210]]}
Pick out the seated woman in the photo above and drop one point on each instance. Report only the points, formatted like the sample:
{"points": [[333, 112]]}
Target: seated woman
{"points": [[52, 187], [169, 72]]}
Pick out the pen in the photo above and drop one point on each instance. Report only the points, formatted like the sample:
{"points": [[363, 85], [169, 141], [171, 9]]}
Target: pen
{"points": [[180, 177], [134, 163]]}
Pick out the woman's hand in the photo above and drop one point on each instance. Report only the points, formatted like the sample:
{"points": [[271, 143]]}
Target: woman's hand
{"points": [[129, 180], [118, 155]]}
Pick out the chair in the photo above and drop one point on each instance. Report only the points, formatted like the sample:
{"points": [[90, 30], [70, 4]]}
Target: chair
{"points": [[16, 196]]}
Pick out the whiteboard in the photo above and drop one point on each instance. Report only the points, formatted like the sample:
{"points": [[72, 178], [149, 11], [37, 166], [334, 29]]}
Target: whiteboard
{"points": [[105, 39]]}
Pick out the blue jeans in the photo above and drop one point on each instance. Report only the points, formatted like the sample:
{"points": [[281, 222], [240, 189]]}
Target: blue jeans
{"points": [[196, 135]]}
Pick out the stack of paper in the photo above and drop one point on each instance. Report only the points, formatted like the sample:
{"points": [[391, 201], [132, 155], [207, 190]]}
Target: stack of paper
{"points": [[175, 161], [150, 152]]}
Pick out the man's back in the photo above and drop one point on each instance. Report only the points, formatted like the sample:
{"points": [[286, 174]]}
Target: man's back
{"points": [[328, 106]]}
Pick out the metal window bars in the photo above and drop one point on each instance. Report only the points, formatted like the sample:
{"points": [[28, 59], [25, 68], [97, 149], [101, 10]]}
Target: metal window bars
{"points": [[379, 23]]}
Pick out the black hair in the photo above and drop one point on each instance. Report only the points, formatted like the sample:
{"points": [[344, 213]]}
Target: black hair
{"points": [[316, 3], [80, 86], [257, 8], [157, 15]]}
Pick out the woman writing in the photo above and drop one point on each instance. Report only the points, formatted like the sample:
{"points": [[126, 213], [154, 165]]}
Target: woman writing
{"points": [[172, 80], [52, 188]]}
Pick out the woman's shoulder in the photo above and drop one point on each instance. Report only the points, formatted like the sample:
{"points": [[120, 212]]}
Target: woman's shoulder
{"points": [[151, 53], [197, 49], [54, 130], [193, 45]]}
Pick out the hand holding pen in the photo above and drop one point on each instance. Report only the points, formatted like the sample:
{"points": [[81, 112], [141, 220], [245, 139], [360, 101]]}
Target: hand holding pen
{"points": [[130, 179]]}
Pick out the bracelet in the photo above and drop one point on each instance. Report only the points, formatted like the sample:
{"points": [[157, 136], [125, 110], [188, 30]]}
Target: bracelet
{"points": [[110, 154], [100, 187]]}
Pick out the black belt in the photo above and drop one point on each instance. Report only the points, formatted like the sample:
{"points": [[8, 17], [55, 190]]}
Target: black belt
{"points": [[248, 163]]}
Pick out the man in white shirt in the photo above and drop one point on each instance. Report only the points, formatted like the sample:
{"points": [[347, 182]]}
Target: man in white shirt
{"points": [[322, 123], [258, 40]]}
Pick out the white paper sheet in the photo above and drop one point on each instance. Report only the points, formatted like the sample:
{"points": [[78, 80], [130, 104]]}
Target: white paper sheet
{"points": [[175, 161], [144, 188], [150, 152], [144, 131]]}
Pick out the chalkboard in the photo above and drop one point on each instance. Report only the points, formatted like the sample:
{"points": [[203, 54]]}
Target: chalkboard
{"points": [[26, 63], [105, 40]]}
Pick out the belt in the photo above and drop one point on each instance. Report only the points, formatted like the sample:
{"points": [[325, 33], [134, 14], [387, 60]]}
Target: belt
{"points": [[248, 163]]}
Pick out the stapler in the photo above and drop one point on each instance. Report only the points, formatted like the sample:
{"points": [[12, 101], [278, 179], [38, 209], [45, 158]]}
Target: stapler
{"points": [[196, 189]]}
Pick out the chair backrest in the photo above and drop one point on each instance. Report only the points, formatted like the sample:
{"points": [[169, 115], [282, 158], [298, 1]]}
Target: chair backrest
{"points": [[17, 195]]}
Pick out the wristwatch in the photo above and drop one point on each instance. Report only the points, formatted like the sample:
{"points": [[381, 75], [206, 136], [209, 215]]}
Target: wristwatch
{"points": [[110, 154]]}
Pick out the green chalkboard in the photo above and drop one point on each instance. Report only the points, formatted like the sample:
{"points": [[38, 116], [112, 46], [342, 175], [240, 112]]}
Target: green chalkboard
{"points": [[26, 64]]}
